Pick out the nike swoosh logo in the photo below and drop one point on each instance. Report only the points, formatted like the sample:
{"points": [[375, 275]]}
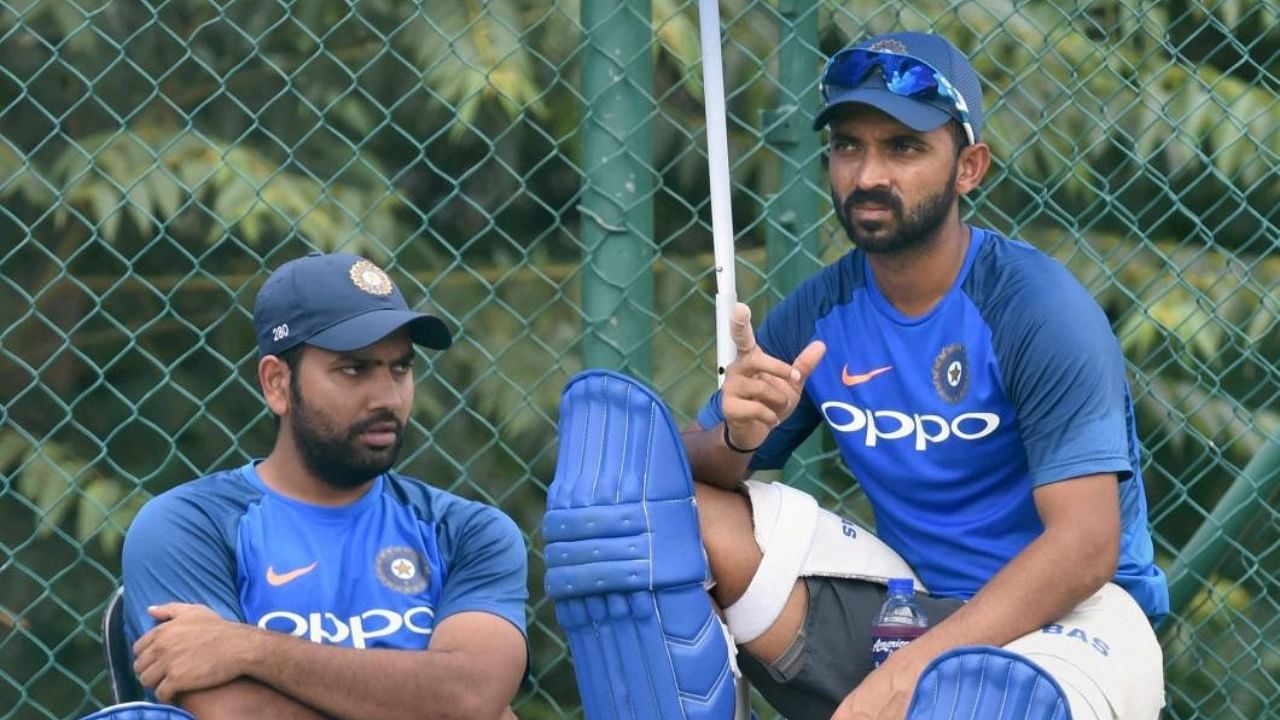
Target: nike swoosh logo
{"points": [[852, 380], [278, 579]]}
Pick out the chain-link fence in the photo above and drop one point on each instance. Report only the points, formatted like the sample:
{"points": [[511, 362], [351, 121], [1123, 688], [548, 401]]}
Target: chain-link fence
{"points": [[537, 170]]}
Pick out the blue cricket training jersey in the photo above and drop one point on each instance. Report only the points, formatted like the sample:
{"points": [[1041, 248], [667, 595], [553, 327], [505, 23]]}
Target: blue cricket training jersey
{"points": [[949, 420], [380, 572]]}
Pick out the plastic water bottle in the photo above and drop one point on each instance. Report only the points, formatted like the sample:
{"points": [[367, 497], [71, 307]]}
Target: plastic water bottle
{"points": [[900, 621]]}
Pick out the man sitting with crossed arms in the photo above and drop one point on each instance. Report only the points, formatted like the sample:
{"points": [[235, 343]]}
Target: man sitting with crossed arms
{"points": [[317, 582]]}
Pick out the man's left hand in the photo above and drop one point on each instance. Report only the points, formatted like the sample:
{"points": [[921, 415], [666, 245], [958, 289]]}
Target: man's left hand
{"points": [[885, 694], [191, 648]]}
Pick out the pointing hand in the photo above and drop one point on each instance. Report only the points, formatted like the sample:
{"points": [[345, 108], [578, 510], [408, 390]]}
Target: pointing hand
{"points": [[761, 391]]}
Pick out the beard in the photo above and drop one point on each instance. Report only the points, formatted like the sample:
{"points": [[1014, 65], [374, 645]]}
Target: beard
{"points": [[337, 458], [905, 231]]}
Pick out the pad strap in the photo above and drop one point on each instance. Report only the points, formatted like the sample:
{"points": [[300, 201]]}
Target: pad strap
{"points": [[787, 535]]}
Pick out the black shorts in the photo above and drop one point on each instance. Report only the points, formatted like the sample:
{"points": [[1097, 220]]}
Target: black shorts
{"points": [[832, 652]]}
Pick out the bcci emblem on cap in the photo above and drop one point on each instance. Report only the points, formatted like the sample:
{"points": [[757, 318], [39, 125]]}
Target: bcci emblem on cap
{"points": [[402, 569], [889, 45], [370, 278]]}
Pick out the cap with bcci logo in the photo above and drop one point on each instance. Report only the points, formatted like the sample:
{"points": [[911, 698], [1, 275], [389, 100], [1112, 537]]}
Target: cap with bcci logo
{"points": [[339, 302]]}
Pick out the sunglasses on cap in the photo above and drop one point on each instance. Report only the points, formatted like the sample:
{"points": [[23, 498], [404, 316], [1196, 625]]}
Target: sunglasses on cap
{"points": [[903, 75]]}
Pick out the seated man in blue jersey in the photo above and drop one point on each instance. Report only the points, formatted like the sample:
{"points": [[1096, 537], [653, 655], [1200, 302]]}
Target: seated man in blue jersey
{"points": [[978, 396], [317, 582]]}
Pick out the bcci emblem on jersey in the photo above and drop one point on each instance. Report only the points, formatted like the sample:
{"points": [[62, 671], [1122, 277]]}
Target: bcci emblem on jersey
{"points": [[402, 569], [951, 373]]}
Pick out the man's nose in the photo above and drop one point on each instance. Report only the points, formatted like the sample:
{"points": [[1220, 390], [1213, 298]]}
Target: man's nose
{"points": [[385, 391], [871, 172]]}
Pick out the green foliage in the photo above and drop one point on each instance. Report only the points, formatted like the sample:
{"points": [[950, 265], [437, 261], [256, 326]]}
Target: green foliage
{"points": [[1222, 654], [98, 507], [476, 52], [179, 183]]}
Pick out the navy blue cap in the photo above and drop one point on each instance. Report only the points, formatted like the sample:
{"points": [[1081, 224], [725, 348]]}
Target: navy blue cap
{"points": [[339, 302], [918, 114]]}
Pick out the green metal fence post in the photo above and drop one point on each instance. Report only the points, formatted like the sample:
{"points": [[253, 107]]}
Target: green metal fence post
{"points": [[792, 240], [1244, 500], [617, 206]]}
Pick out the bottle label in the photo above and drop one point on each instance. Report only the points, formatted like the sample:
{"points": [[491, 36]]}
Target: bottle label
{"points": [[884, 645]]}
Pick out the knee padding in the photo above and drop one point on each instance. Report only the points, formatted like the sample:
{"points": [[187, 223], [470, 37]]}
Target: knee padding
{"points": [[982, 681], [141, 711], [799, 539], [625, 564]]}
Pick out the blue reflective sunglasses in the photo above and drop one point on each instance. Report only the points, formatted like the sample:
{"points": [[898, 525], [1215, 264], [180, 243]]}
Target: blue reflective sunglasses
{"points": [[903, 75]]}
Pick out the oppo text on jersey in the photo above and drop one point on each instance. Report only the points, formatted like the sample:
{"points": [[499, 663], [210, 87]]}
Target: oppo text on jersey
{"points": [[895, 425], [370, 624]]}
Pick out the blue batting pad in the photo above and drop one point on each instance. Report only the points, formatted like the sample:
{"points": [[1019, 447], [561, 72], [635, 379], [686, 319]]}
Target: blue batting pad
{"points": [[625, 565], [983, 681], [141, 711]]}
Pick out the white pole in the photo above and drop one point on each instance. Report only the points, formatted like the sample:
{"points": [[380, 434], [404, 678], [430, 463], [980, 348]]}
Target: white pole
{"points": [[722, 235], [718, 170]]}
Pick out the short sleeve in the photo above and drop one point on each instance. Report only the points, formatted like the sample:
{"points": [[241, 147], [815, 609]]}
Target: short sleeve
{"points": [[1064, 373], [176, 551], [488, 569]]}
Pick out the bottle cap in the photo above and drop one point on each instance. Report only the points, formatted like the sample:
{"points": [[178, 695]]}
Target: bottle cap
{"points": [[901, 585]]}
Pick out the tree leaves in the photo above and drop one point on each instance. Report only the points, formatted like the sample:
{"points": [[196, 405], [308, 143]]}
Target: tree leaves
{"points": [[63, 486], [151, 174]]}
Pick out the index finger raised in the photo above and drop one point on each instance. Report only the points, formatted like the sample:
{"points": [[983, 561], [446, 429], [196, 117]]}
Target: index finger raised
{"points": [[744, 337]]}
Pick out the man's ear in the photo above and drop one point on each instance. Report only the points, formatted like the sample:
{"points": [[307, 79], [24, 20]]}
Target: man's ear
{"points": [[973, 163], [273, 377]]}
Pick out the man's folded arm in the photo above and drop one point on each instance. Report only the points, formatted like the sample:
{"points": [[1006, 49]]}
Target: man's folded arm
{"points": [[244, 698]]}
